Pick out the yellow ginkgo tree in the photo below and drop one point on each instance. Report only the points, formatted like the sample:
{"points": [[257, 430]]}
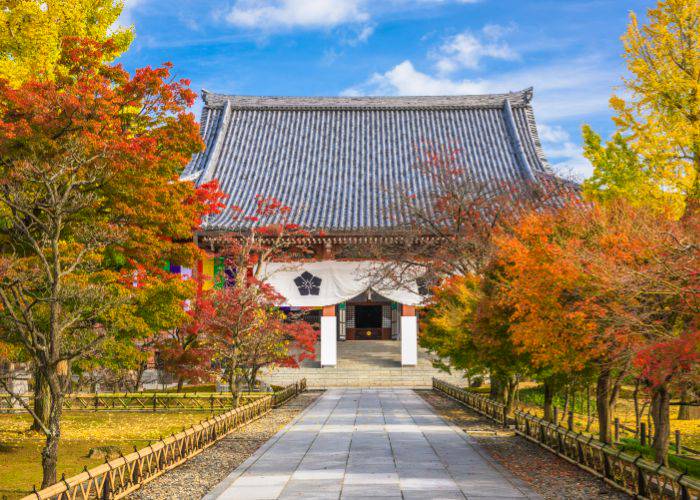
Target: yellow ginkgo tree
{"points": [[658, 112], [31, 33]]}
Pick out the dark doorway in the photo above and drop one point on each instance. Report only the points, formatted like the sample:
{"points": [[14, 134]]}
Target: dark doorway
{"points": [[368, 323], [368, 316]]}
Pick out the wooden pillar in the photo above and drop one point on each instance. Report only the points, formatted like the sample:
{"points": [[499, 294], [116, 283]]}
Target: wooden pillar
{"points": [[328, 337], [409, 336]]}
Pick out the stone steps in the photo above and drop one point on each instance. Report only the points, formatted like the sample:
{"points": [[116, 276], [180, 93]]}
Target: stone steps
{"points": [[364, 363], [321, 378]]}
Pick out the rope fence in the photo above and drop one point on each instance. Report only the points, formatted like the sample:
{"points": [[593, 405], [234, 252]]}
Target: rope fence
{"points": [[632, 474], [121, 476]]}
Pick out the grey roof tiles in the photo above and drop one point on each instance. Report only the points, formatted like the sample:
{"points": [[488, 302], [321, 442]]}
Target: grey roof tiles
{"points": [[341, 163]]}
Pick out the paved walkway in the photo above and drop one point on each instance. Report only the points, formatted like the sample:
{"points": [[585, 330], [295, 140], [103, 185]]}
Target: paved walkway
{"points": [[370, 443]]}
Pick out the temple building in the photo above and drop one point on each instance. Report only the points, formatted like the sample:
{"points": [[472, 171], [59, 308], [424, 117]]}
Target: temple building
{"points": [[342, 164]]}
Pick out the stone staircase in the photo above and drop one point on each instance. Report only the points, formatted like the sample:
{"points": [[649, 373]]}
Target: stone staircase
{"points": [[364, 363]]}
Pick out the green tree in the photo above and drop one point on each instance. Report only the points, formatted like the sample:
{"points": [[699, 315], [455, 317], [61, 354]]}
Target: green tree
{"points": [[619, 171]]}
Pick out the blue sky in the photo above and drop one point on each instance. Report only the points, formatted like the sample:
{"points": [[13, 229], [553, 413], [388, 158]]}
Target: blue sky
{"points": [[568, 50]]}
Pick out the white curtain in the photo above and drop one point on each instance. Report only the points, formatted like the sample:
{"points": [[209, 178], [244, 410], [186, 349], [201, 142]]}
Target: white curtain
{"points": [[340, 281]]}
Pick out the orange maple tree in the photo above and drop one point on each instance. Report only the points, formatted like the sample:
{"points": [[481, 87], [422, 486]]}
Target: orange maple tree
{"points": [[89, 198]]}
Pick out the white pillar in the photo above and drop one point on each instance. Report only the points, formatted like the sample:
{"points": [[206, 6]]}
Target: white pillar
{"points": [[328, 337], [409, 336]]}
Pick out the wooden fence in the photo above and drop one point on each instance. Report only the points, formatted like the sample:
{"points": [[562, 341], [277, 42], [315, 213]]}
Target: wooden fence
{"points": [[121, 476], [630, 473], [139, 401]]}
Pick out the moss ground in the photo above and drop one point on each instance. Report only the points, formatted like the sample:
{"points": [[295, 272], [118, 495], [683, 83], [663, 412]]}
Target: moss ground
{"points": [[20, 459]]}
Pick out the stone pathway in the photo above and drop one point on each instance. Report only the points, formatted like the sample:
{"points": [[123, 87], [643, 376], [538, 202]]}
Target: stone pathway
{"points": [[354, 443]]}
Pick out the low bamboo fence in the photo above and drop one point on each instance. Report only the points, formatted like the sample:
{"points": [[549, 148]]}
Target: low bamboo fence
{"points": [[630, 473], [122, 476], [140, 401]]}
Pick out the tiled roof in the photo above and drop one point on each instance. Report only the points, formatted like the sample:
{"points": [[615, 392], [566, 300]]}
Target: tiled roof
{"points": [[342, 162]]}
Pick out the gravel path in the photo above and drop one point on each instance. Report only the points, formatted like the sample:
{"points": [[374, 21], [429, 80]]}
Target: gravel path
{"points": [[196, 477], [547, 474]]}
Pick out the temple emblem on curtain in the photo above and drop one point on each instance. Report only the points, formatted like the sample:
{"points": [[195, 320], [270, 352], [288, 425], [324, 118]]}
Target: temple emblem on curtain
{"points": [[308, 284]]}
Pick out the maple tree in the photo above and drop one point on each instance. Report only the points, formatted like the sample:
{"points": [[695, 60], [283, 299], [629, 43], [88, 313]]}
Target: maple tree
{"points": [[657, 301], [248, 330], [610, 287], [32, 33], [465, 324], [182, 347], [89, 196]]}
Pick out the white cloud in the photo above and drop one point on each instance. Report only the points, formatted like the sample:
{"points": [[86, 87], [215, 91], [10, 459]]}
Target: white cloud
{"points": [[270, 15], [563, 90], [278, 15], [365, 33], [575, 88], [552, 133], [404, 79], [467, 49], [126, 18], [565, 156]]}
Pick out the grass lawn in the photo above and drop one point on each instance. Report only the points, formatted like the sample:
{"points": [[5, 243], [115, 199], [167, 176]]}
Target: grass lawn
{"points": [[20, 459]]}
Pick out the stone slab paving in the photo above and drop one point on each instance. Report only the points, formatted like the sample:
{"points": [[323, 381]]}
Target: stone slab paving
{"points": [[370, 443]]}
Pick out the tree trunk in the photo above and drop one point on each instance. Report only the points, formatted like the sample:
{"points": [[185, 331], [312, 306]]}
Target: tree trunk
{"points": [[233, 387], [548, 401], [498, 388], [660, 414], [567, 396], [603, 405], [42, 401], [180, 383], [253, 379], [49, 454], [589, 420], [637, 412], [510, 394], [685, 410], [139, 375]]}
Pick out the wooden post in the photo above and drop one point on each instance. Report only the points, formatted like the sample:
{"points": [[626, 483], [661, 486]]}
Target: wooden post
{"points": [[617, 430], [678, 441], [154, 401], [571, 420], [643, 433]]}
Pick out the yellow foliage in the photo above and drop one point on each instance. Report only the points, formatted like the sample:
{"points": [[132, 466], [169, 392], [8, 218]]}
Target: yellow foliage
{"points": [[31, 32], [661, 109], [20, 459]]}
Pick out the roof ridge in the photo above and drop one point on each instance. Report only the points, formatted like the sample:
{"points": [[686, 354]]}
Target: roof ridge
{"points": [[519, 98]]}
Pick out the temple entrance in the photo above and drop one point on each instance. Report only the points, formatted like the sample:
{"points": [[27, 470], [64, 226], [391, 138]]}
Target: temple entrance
{"points": [[368, 323], [367, 317]]}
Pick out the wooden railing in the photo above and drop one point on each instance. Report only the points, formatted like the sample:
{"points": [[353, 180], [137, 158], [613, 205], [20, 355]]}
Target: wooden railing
{"points": [[140, 401], [482, 405], [121, 476], [630, 473]]}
